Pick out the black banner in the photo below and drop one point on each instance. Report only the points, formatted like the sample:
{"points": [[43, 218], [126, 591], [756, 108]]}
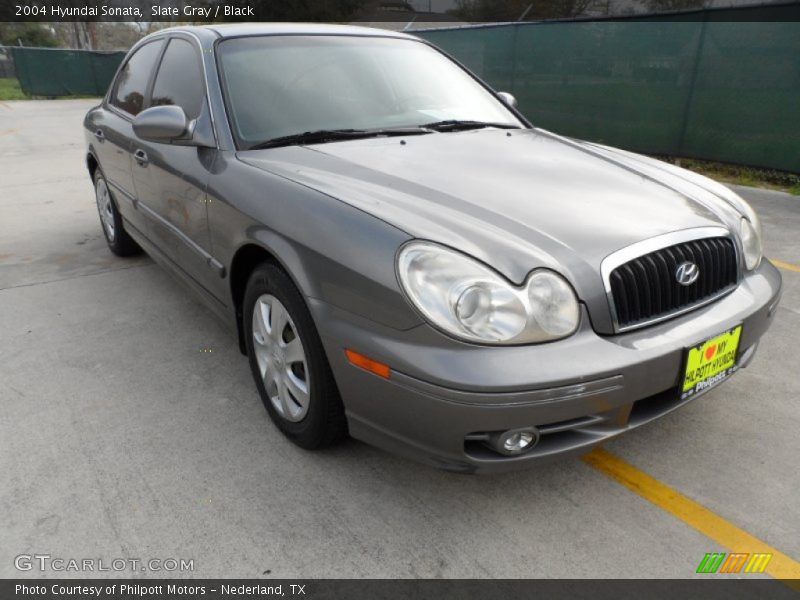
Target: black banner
{"points": [[430, 13], [380, 589]]}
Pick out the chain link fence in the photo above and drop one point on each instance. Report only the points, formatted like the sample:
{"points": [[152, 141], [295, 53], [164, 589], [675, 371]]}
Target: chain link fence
{"points": [[709, 85]]}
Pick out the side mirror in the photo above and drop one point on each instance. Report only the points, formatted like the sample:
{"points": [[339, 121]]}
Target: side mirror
{"points": [[507, 99], [163, 124]]}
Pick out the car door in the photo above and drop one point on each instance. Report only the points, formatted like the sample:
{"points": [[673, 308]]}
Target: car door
{"points": [[113, 130], [170, 179]]}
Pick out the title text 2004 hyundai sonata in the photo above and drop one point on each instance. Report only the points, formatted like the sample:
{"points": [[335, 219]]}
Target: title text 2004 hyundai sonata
{"points": [[407, 259]]}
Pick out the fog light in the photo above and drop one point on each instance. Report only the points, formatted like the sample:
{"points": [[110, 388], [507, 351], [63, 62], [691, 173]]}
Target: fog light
{"points": [[515, 441]]}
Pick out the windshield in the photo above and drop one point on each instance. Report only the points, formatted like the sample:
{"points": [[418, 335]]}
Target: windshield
{"points": [[278, 86]]}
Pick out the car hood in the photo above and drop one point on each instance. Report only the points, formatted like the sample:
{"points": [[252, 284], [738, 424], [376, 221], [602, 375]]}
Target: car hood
{"points": [[516, 200]]}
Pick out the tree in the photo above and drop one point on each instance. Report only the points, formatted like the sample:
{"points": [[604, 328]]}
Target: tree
{"points": [[27, 34], [658, 6], [514, 10]]}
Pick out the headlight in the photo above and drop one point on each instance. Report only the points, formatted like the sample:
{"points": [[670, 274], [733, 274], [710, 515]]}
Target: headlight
{"points": [[470, 301], [751, 242]]}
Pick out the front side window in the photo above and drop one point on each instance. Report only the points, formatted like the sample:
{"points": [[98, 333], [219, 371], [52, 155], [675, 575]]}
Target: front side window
{"points": [[284, 85], [132, 80], [179, 80]]}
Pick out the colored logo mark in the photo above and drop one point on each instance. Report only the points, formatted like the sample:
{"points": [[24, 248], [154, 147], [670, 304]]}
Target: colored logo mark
{"points": [[735, 562]]}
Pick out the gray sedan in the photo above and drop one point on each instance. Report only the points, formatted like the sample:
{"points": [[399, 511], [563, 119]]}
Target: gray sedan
{"points": [[405, 258]]}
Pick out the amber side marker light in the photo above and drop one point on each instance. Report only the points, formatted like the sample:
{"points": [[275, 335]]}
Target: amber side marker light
{"points": [[373, 366]]}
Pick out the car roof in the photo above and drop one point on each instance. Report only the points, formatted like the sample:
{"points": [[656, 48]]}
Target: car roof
{"points": [[227, 30]]}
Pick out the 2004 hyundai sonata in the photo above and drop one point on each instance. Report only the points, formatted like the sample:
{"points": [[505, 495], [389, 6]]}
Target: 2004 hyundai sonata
{"points": [[406, 258]]}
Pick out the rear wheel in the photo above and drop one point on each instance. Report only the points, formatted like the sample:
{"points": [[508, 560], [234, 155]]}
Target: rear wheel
{"points": [[118, 239], [288, 361]]}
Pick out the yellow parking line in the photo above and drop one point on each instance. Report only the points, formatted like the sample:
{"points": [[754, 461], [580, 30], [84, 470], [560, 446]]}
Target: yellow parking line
{"points": [[784, 265], [693, 514]]}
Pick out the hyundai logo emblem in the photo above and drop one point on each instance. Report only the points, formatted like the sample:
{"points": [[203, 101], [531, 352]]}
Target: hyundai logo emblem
{"points": [[687, 273]]}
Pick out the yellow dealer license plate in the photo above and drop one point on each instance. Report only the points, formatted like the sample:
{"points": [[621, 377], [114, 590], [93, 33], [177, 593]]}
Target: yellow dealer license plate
{"points": [[711, 362]]}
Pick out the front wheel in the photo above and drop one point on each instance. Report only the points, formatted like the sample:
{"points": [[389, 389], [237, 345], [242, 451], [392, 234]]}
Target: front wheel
{"points": [[288, 361]]}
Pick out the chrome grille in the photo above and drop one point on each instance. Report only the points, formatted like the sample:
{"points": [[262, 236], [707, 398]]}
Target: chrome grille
{"points": [[646, 288]]}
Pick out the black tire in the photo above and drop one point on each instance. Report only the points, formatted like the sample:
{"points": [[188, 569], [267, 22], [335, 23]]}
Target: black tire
{"points": [[120, 243], [324, 422]]}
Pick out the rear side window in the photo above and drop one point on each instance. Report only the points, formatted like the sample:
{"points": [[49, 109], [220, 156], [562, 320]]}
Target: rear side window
{"points": [[132, 80], [180, 79]]}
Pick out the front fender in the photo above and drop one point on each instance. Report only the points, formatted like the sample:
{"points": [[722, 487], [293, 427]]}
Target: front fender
{"points": [[334, 252]]}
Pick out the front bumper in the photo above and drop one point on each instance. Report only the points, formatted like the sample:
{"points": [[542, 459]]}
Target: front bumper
{"points": [[579, 392]]}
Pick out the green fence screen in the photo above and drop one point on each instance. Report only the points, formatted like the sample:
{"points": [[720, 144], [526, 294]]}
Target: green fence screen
{"points": [[709, 85], [56, 72]]}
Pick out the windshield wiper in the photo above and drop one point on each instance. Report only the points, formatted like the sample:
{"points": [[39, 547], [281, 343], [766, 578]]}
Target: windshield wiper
{"points": [[322, 136], [457, 125]]}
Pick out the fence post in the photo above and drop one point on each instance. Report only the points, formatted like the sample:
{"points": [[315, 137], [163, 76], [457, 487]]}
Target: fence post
{"points": [[7, 63], [91, 59], [692, 82], [512, 83]]}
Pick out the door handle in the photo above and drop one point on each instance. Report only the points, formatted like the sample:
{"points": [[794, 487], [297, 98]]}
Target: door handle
{"points": [[141, 157], [100, 135]]}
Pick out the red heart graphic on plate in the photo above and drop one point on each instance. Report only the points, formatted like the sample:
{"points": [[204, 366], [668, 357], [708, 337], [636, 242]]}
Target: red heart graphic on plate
{"points": [[710, 351]]}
